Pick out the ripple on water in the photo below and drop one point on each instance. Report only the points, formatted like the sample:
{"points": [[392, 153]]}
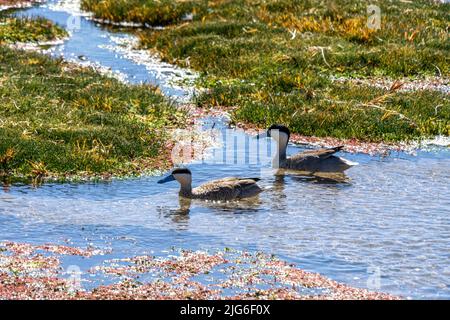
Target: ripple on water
{"points": [[392, 217]]}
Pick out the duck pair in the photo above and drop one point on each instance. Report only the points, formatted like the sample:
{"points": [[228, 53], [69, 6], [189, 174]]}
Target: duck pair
{"points": [[234, 188]]}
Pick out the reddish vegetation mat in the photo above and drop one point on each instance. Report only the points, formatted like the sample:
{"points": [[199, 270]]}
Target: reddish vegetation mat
{"points": [[350, 145], [35, 272], [15, 2]]}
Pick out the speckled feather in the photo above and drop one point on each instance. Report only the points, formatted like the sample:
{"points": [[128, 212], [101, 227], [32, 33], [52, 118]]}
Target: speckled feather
{"points": [[225, 189], [322, 160]]}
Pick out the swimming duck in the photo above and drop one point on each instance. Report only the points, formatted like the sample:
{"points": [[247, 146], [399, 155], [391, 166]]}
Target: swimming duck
{"points": [[322, 160], [219, 190]]}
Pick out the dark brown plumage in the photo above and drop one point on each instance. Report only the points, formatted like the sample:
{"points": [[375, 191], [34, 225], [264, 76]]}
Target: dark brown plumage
{"points": [[225, 189], [322, 160]]}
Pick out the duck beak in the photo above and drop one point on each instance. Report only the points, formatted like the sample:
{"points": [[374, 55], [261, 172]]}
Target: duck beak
{"points": [[261, 136], [167, 179]]}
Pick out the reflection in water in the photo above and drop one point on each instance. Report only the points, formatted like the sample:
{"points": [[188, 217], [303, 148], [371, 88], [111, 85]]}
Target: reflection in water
{"points": [[180, 216], [185, 205], [242, 206], [280, 190], [316, 177]]}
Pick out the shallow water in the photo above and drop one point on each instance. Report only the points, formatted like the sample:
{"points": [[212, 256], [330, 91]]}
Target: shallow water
{"points": [[386, 227], [91, 44]]}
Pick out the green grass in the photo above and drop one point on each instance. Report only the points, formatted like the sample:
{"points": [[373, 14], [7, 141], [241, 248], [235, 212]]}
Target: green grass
{"points": [[247, 57], [161, 12], [28, 30], [61, 121]]}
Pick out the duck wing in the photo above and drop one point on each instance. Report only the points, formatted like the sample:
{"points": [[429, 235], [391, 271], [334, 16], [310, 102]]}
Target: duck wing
{"points": [[320, 154], [315, 160], [225, 189]]}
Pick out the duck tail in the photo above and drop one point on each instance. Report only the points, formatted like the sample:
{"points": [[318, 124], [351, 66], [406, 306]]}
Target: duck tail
{"points": [[338, 148], [349, 163]]}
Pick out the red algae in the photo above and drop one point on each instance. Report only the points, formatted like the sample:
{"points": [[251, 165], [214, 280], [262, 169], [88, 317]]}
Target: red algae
{"points": [[24, 248], [32, 288], [26, 273]]}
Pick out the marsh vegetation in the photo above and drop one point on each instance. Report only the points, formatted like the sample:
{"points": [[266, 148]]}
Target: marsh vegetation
{"points": [[273, 61], [61, 121], [276, 61]]}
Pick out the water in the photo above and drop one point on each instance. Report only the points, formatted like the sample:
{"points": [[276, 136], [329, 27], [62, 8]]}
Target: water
{"points": [[91, 44], [390, 218]]}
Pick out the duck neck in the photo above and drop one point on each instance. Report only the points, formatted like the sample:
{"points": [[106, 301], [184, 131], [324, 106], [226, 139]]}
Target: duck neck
{"points": [[185, 186], [280, 155]]}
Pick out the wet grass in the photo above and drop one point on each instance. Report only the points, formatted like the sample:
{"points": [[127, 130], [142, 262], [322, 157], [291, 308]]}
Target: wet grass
{"points": [[62, 121], [153, 13], [275, 60], [28, 30], [23, 29]]}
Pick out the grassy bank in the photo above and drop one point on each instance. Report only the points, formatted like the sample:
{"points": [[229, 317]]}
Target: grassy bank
{"points": [[63, 121], [23, 29], [275, 60], [28, 30]]}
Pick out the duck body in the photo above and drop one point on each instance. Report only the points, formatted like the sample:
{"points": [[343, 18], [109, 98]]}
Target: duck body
{"points": [[226, 189], [322, 160]]}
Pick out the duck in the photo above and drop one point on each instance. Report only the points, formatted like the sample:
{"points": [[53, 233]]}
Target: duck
{"points": [[313, 161], [226, 189]]}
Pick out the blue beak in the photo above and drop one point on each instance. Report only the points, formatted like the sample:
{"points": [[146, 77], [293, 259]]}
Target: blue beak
{"points": [[167, 179]]}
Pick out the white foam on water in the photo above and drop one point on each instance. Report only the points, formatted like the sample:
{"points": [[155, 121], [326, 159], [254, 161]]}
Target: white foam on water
{"points": [[17, 5], [167, 74], [168, 77], [122, 77], [69, 6], [439, 141]]}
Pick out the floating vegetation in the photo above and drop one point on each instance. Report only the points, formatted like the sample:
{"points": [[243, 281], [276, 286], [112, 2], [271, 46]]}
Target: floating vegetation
{"points": [[35, 272]]}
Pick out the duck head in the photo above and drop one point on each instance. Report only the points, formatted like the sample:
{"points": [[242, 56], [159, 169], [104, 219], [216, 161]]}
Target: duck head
{"points": [[281, 135], [182, 175], [277, 132]]}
